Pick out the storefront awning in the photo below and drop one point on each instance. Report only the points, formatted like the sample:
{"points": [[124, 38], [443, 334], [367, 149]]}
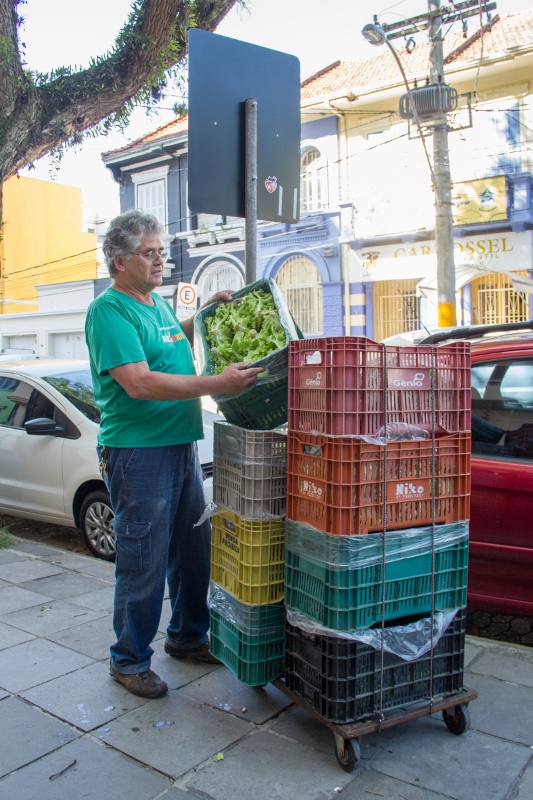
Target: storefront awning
{"points": [[465, 273]]}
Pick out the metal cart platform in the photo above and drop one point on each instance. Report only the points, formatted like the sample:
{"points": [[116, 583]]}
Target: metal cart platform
{"points": [[347, 736]]}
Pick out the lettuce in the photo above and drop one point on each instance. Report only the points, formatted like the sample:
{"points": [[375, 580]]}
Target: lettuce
{"points": [[244, 331]]}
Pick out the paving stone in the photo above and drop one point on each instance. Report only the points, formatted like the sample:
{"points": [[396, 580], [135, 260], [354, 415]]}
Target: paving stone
{"points": [[51, 617], [197, 733], [34, 548], [98, 568], [26, 734], [71, 560], [84, 769], [266, 766], [166, 613], [298, 724], [10, 636], [513, 664], [92, 638], [524, 790], [65, 585], [99, 600], [369, 785], [87, 698], [473, 766], [177, 672], [13, 598], [9, 557], [3, 694], [4, 584], [500, 709], [27, 569], [35, 662], [221, 689], [472, 651]]}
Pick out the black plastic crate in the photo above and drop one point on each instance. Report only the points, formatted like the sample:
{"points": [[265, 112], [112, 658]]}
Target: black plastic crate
{"points": [[341, 679]]}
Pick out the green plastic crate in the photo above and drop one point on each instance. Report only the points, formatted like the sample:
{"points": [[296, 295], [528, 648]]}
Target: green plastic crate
{"points": [[262, 406], [256, 656], [351, 598]]}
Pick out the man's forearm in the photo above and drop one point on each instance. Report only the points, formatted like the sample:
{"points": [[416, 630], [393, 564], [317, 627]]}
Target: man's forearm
{"points": [[142, 384]]}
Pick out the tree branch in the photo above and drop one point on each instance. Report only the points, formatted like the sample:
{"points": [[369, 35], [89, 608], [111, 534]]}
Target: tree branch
{"points": [[11, 72], [46, 116]]}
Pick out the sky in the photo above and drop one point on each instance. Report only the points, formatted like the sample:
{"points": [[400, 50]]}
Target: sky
{"points": [[317, 32]]}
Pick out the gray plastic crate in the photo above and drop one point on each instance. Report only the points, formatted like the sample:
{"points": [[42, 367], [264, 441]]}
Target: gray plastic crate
{"points": [[249, 471]]}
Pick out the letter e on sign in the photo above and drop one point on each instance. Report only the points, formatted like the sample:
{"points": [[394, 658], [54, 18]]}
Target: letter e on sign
{"points": [[187, 295]]}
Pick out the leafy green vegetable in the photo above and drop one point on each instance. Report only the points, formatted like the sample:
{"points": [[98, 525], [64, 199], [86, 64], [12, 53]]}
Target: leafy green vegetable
{"points": [[245, 331]]}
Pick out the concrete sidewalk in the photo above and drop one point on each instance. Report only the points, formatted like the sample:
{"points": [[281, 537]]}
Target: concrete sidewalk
{"points": [[67, 731]]}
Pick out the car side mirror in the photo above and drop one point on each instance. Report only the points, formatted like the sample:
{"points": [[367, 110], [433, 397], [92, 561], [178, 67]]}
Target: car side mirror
{"points": [[43, 426]]}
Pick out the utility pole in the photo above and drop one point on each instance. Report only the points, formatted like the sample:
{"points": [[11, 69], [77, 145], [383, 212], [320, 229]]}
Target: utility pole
{"points": [[447, 314], [432, 114]]}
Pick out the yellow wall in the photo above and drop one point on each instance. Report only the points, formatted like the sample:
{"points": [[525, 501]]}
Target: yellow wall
{"points": [[42, 225]]}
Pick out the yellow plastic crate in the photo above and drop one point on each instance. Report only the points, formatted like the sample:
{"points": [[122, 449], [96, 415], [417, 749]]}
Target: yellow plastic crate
{"points": [[247, 557]]}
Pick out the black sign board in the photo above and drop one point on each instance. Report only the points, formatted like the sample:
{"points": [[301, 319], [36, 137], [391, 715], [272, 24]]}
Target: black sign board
{"points": [[223, 74]]}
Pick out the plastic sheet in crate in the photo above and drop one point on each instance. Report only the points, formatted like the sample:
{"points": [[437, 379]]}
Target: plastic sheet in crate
{"points": [[250, 640], [336, 385], [337, 580], [247, 557], [249, 471], [341, 679], [336, 483]]}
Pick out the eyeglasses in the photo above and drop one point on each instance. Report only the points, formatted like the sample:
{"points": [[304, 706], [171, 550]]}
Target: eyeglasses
{"points": [[151, 255]]}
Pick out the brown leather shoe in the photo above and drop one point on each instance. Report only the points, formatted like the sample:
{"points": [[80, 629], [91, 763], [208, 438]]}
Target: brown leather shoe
{"points": [[200, 653], [143, 684]]}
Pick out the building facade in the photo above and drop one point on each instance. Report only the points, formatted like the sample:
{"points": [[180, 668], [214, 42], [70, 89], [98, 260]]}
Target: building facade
{"points": [[385, 193]]}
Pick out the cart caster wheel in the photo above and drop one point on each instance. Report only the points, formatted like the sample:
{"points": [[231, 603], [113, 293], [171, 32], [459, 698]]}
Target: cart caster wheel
{"points": [[348, 752], [259, 686], [457, 719]]}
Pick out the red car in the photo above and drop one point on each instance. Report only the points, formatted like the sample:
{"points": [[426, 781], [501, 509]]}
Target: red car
{"points": [[501, 529]]}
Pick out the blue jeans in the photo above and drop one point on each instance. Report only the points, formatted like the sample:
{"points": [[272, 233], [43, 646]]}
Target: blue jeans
{"points": [[157, 496]]}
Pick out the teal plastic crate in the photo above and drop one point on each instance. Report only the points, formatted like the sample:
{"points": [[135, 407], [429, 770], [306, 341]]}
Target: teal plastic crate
{"points": [[350, 597], [257, 656]]}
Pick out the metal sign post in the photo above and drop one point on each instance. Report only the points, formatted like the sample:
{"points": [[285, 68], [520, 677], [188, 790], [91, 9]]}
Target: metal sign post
{"points": [[250, 179]]}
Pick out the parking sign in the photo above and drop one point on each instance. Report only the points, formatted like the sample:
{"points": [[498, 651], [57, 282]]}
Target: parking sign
{"points": [[187, 295]]}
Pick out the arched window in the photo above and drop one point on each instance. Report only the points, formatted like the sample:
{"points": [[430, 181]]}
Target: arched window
{"points": [[218, 276], [300, 282], [494, 300], [311, 180]]}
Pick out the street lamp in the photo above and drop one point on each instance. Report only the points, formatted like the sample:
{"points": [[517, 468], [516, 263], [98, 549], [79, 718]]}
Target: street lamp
{"points": [[376, 35]]}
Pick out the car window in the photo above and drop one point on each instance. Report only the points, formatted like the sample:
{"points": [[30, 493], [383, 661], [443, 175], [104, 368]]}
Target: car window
{"points": [[78, 388], [20, 403], [502, 409]]}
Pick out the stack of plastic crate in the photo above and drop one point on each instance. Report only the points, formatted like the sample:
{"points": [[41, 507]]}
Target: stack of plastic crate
{"points": [[247, 551], [377, 521]]}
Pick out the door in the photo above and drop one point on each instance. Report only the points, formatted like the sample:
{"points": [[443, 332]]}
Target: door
{"points": [[31, 477], [501, 559], [69, 345]]}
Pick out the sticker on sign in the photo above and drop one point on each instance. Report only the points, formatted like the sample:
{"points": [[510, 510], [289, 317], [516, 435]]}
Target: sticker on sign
{"points": [[187, 295]]}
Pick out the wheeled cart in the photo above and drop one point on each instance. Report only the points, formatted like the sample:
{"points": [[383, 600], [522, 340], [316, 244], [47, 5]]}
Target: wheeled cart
{"points": [[347, 737]]}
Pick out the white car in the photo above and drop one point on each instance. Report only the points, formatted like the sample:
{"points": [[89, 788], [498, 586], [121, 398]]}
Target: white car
{"points": [[48, 463]]}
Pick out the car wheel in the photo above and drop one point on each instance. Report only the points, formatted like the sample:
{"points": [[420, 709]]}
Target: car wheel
{"points": [[96, 523]]}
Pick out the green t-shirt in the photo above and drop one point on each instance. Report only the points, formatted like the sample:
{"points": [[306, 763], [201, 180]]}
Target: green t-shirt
{"points": [[121, 330]]}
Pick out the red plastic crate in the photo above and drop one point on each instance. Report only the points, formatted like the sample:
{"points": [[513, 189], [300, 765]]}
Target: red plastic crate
{"points": [[336, 483], [336, 385]]}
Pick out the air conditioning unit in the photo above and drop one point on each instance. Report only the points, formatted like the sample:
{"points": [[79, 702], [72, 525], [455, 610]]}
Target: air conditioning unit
{"points": [[429, 101]]}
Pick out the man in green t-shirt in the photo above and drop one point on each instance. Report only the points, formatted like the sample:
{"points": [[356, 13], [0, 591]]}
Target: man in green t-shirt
{"points": [[148, 392]]}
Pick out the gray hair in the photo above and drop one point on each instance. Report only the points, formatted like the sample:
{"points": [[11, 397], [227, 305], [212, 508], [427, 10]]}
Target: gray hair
{"points": [[125, 233]]}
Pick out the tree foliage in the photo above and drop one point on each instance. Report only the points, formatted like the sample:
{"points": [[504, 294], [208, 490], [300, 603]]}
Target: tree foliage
{"points": [[41, 113]]}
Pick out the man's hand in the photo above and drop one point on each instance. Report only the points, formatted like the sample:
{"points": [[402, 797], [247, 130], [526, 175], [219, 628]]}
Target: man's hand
{"points": [[237, 377], [221, 297]]}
